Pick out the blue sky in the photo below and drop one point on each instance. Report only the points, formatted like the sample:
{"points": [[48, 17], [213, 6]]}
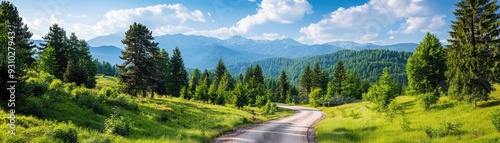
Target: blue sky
{"points": [[307, 21]]}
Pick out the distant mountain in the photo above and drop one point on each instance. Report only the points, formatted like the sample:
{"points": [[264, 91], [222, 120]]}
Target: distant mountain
{"points": [[107, 53], [204, 52]]}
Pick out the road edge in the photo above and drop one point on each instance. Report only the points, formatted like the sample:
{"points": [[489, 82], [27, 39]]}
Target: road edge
{"points": [[311, 134]]}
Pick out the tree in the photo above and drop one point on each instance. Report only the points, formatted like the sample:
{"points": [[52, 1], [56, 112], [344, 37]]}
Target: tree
{"points": [[240, 95], [219, 71], [352, 86], [141, 58], [225, 86], [316, 76], [24, 48], [426, 67], [57, 39], [179, 73], [383, 92], [165, 75], [48, 62], [473, 54], [201, 92], [324, 79], [283, 88], [314, 96], [80, 68], [195, 77], [306, 79], [339, 76]]}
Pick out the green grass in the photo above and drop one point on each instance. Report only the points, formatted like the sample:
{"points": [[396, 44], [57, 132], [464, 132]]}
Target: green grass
{"points": [[371, 126], [186, 121]]}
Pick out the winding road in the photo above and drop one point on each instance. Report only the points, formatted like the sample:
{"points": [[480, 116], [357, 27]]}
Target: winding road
{"points": [[291, 129]]}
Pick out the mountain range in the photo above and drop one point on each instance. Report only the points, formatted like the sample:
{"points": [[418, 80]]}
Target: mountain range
{"points": [[204, 52]]}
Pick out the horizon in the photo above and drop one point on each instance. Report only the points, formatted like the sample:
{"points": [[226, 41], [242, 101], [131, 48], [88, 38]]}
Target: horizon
{"points": [[307, 22]]}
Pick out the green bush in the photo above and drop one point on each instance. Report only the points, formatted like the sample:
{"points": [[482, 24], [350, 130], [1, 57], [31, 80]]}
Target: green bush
{"points": [[109, 92], [117, 125], [87, 97], [495, 119], [34, 106], [37, 87], [394, 109], [426, 100], [65, 134], [163, 117], [447, 128], [56, 85]]}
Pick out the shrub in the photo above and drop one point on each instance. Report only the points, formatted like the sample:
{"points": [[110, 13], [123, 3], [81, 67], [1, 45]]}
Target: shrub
{"points": [[109, 92], [269, 108], [394, 108], [426, 100], [448, 128], [34, 106], [86, 97], [163, 117], [117, 125], [495, 119], [56, 85], [65, 134], [37, 87]]}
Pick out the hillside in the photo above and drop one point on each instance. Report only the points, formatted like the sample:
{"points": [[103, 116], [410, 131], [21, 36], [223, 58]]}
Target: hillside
{"points": [[65, 108], [339, 126], [367, 63]]}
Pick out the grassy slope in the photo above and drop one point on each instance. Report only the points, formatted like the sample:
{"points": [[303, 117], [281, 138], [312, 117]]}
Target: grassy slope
{"points": [[189, 121], [374, 127]]}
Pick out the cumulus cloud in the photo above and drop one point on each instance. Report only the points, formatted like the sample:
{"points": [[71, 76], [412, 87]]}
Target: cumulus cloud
{"points": [[423, 24], [365, 23]]}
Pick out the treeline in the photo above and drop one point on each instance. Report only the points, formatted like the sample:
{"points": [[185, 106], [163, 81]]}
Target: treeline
{"points": [[105, 68], [367, 64]]}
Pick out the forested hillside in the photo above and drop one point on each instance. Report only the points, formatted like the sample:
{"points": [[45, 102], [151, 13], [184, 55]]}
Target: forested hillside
{"points": [[368, 64]]}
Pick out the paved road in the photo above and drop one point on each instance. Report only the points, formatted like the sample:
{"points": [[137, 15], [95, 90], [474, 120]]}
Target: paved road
{"points": [[291, 129]]}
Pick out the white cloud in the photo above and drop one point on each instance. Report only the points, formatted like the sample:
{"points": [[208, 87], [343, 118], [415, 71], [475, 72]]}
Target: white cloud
{"points": [[423, 24], [268, 36], [391, 37], [282, 11], [77, 16], [209, 14], [362, 23]]}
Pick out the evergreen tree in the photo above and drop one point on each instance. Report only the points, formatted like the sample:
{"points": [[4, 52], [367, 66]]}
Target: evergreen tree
{"points": [[179, 73], [339, 76], [219, 71], [352, 86], [240, 95], [225, 85], [141, 57], [165, 74], [201, 92], [80, 68], [426, 67], [249, 74], [195, 77], [473, 50], [306, 79], [48, 62], [383, 92], [324, 79], [283, 88], [57, 39], [316, 76]]}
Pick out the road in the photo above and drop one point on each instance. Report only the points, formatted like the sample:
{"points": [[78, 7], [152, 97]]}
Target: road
{"points": [[291, 129]]}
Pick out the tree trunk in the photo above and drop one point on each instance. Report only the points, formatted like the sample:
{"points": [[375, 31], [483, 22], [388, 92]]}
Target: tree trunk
{"points": [[144, 94], [152, 93]]}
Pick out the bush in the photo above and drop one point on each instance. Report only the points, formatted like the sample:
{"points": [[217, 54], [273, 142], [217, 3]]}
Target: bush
{"points": [[65, 134], [163, 117], [269, 108], [117, 125], [495, 119], [109, 92], [448, 128], [34, 106], [426, 100], [87, 97], [37, 87], [56, 85], [394, 108]]}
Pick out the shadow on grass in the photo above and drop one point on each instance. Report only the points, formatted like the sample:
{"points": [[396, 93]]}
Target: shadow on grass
{"points": [[345, 135], [489, 104], [443, 106]]}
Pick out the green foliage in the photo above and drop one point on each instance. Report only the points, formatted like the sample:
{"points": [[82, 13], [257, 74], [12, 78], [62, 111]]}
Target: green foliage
{"points": [[495, 119], [80, 67], [179, 73], [240, 95], [306, 79], [163, 117], [394, 109], [283, 89], [164, 75], [109, 92], [125, 102], [447, 128], [339, 76], [354, 115], [426, 67], [314, 96], [269, 108], [117, 125], [426, 100], [48, 62], [405, 123], [64, 134], [473, 51], [383, 92], [87, 97]]}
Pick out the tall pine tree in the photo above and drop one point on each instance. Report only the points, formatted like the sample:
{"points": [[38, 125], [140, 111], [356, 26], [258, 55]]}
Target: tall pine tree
{"points": [[140, 55], [283, 88], [57, 39], [471, 53], [165, 74], [179, 73], [48, 62], [339, 76]]}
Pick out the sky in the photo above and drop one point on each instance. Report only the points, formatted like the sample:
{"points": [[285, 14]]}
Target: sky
{"points": [[307, 21]]}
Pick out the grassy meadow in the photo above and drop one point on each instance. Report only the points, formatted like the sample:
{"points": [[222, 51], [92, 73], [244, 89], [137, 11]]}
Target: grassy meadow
{"points": [[162, 119], [357, 122]]}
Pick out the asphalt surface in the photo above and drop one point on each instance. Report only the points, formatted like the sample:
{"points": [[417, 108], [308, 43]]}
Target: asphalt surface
{"points": [[291, 129]]}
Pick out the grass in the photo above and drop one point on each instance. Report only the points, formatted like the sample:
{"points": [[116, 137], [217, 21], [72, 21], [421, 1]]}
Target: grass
{"points": [[182, 121], [371, 126]]}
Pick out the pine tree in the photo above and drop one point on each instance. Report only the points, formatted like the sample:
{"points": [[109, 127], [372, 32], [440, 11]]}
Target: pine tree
{"points": [[352, 86], [141, 57], [57, 39], [201, 92], [225, 85], [283, 88], [339, 76], [249, 74], [383, 92], [306, 79], [195, 77], [179, 73], [473, 50], [219, 71], [240, 94], [426, 67], [80, 68], [165, 75], [48, 62], [324, 79], [316, 76]]}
